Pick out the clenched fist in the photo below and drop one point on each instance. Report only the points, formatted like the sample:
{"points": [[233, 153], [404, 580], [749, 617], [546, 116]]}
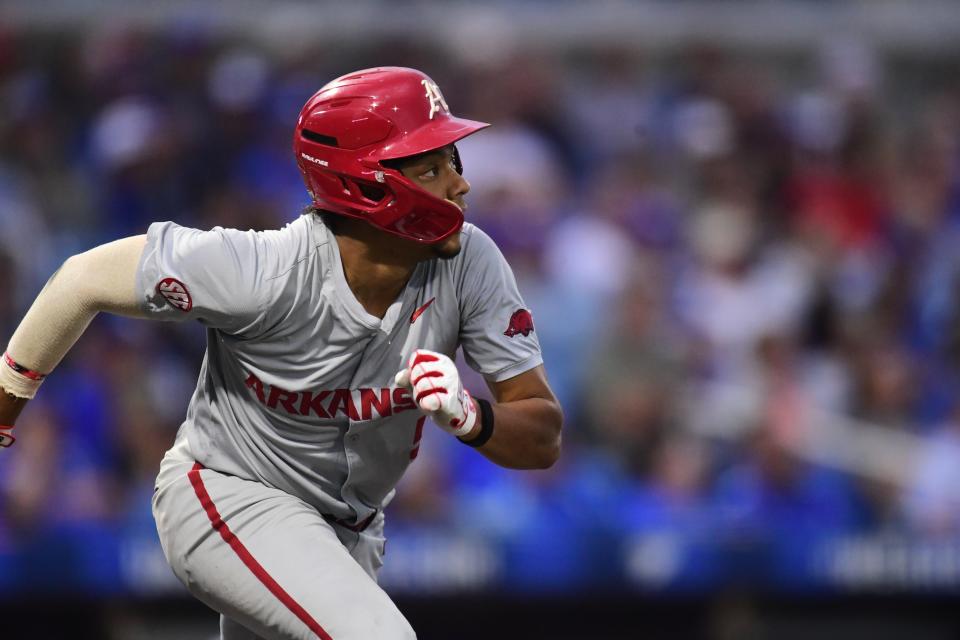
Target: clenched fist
{"points": [[437, 389]]}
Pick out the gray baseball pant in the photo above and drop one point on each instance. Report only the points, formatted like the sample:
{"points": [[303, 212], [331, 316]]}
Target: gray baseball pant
{"points": [[272, 566]]}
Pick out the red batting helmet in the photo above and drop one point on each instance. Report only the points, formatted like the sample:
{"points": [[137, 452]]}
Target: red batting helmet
{"points": [[354, 123]]}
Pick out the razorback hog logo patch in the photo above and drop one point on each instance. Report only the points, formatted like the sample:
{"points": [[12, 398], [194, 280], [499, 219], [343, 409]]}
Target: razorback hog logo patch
{"points": [[175, 293], [520, 322]]}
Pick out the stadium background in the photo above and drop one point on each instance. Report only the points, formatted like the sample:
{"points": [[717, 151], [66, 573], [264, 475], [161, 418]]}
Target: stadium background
{"points": [[737, 225]]}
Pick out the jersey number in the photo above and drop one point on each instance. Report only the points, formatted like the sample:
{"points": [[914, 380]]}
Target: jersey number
{"points": [[416, 438]]}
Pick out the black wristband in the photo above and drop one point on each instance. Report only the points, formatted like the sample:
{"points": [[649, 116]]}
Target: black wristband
{"points": [[485, 412]]}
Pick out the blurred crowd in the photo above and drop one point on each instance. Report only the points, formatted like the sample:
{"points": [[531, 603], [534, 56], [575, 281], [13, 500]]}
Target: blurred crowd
{"points": [[744, 272]]}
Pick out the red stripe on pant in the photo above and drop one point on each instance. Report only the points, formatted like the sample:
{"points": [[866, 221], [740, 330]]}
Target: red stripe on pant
{"points": [[255, 567]]}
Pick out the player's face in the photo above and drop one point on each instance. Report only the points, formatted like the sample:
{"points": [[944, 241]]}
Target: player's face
{"points": [[437, 174]]}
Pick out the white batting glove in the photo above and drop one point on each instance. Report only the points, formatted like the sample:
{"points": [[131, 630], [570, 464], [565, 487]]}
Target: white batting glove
{"points": [[437, 389]]}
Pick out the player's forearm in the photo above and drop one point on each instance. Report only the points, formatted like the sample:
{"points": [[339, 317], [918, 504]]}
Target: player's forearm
{"points": [[526, 434], [10, 408], [101, 279]]}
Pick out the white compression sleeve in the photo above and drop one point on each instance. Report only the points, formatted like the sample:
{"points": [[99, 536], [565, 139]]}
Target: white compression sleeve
{"points": [[102, 279]]}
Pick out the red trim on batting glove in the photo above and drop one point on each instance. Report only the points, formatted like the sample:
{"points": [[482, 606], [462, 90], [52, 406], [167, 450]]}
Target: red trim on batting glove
{"points": [[429, 392], [255, 567], [6, 438], [421, 358]]}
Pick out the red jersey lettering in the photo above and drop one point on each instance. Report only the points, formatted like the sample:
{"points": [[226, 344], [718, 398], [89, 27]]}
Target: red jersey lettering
{"points": [[254, 383], [284, 398], [343, 402], [369, 400], [309, 402], [416, 438], [402, 400], [327, 403]]}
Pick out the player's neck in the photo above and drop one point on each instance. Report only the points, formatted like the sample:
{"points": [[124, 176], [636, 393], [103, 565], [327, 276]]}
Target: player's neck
{"points": [[375, 266]]}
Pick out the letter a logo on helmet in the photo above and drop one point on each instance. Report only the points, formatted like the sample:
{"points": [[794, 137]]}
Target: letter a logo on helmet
{"points": [[348, 128], [435, 97]]}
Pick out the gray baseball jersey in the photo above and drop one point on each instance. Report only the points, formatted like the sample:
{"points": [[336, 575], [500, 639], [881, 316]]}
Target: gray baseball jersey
{"points": [[296, 389]]}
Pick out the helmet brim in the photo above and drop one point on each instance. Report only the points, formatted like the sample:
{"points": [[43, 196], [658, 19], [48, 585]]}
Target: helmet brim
{"points": [[432, 136]]}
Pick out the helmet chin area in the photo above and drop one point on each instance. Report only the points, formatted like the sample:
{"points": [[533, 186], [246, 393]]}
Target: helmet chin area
{"points": [[406, 210], [415, 214], [425, 228]]}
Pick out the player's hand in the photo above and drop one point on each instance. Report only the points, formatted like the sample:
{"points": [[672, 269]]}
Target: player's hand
{"points": [[437, 389], [6, 437]]}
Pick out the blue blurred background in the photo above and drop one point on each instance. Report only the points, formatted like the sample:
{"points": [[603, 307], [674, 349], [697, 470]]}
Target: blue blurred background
{"points": [[737, 225]]}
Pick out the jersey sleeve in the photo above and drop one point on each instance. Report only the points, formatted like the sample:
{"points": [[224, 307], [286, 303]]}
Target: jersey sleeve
{"points": [[222, 277], [496, 327]]}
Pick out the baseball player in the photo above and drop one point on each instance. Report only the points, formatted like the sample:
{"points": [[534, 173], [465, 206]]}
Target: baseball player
{"points": [[329, 343]]}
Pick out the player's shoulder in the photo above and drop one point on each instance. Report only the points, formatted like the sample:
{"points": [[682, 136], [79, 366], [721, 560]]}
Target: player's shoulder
{"points": [[295, 247], [270, 251], [293, 242], [470, 231], [316, 229], [297, 237], [476, 244], [479, 259], [296, 231]]}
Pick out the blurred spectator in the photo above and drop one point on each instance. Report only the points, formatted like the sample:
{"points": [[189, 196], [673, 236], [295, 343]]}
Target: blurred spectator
{"points": [[932, 502], [736, 290], [631, 376]]}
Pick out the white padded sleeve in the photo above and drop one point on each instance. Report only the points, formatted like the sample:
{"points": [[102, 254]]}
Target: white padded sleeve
{"points": [[102, 279]]}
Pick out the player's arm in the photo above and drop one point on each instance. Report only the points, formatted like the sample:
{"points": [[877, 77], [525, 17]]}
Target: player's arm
{"points": [[526, 422], [520, 430], [102, 279]]}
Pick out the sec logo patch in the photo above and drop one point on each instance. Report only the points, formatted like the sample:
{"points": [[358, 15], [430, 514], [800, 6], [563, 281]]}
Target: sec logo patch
{"points": [[175, 293]]}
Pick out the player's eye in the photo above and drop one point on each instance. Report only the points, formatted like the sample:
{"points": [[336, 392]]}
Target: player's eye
{"points": [[432, 172]]}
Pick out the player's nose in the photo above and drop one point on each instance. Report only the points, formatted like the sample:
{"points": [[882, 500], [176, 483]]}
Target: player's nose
{"points": [[459, 187]]}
